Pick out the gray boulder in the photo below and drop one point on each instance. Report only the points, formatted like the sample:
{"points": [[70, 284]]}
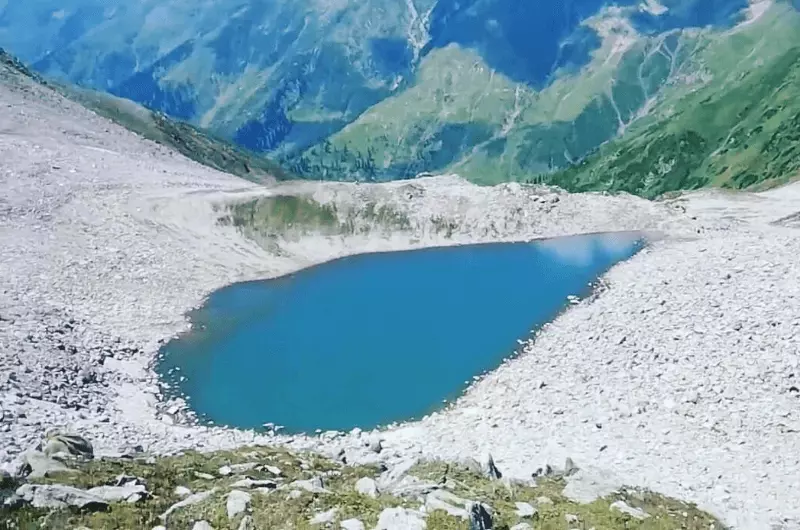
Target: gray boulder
{"points": [[247, 523], [526, 510], [489, 468], [448, 502], [237, 503], [351, 524], [624, 507], [324, 518], [367, 486], [58, 496], [130, 493], [70, 444], [249, 483], [480, 517], [188, 501], [400, 519], [39, 465], [314, 485]]}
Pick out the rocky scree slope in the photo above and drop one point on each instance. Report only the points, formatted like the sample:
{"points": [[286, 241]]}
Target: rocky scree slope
{"points": [[181, 136]]}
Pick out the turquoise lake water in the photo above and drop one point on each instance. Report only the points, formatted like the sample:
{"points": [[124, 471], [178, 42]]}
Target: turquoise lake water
{"points": [[376, 338]]}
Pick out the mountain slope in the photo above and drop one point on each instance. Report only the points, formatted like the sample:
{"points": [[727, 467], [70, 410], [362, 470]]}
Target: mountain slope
{"points": [[495, 90], [188, 140], [739, 129]]}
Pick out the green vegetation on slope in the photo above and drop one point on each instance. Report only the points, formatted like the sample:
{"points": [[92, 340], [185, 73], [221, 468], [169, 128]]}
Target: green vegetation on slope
{"points": [[275, 508], [288, 216], [743, 136], [462, 116]]}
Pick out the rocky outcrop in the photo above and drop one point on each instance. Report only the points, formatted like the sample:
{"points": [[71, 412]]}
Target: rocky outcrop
{"points": [[57, 496]]}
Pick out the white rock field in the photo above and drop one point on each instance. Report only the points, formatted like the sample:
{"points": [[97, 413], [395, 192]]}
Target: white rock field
{"points": [[682, 376]]}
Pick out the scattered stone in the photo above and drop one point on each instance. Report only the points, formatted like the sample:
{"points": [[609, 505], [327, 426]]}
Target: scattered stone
{"points": [[58, 496], [130, 493], [238, 502], [522, 526], [400, 519], [571, 518], [204, 476], [314, 485], [248, 483], [411, 486], [70, 444], [544, 500], [39, 465], [367, 486], [623, 507], [489, 468], [569, 467], [376, 446], [480, 517], [182, 491], [294, 494], [584, 487], [274, 470], [351, 524], [324, 517], [526, 510], [247, 523], [188, 501], [448, 502], [225, 471], [202, 525]]}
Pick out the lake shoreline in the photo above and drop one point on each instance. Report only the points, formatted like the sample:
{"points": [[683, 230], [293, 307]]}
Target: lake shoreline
{"points": [[683, 362]]}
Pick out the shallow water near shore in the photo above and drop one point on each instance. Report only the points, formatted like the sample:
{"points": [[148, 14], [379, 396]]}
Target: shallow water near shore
{"points": [[372, 339]]}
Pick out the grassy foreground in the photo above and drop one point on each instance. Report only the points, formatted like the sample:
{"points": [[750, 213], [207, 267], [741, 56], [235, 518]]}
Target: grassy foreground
{"points": [[291, 507]]}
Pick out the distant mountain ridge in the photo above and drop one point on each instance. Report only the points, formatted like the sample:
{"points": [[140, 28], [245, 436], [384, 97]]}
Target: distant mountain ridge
{"points": [[373, 90]]}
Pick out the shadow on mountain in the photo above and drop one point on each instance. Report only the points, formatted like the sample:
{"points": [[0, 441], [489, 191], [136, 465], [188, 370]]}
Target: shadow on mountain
{"points": [[529, 41]]}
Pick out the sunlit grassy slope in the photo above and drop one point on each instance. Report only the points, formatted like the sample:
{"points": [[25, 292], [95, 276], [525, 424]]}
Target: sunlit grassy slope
{"points": [[737, 124]]}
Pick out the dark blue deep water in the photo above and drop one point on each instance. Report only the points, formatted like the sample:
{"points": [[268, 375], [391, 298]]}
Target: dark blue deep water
{"points": [[376, 338]]}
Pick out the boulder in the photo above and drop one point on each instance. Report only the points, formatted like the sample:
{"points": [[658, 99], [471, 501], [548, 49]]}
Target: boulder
{"points": [[39, 465], [188, 501], [70, 444], [624, 507], [367, 486], [325, 517], [249, 483], [274, 470], [446, 501], [351, 524], [58, 496], [130, 493], [489, 468], [526, 510], [314, 485], [202, 525], [400, 519], [480, 517], [182, 491], [238, 502], [247, 523]]}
